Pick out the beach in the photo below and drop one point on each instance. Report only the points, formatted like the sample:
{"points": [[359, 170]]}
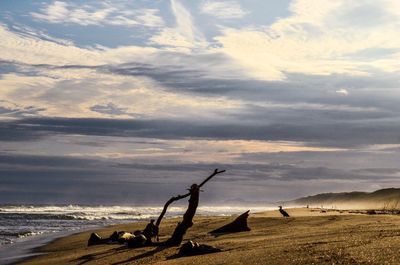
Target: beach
{"points": [[309, 236], [25, 227]]}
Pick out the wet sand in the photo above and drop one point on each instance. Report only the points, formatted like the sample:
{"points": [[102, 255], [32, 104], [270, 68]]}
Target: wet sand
{"points": [[307, 237]]}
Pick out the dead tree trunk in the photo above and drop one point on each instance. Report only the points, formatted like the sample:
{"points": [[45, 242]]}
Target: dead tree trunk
{"points": [[187, 222], [179, 197]]}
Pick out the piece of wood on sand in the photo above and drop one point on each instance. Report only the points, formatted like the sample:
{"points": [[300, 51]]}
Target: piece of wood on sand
{"points": [[238, 225]]}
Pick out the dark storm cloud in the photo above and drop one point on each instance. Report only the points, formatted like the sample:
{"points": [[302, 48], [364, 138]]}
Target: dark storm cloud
{"points": [[342, 134], [13, 131], [383, 171], [50, 161], [313, 114], [67, 168], [260, 172], [291, 172]]}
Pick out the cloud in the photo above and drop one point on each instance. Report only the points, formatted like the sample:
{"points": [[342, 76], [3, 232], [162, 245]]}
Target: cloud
{"points": [[342, 92], [270, 110], [54, 12], [105, 14], [34, 50], [223, 9], [298, 95], [316, 39], [265, 171], [69, 86], [347, 134], [150, 18], [109, 108], [13, 110], [87, 92], [29, 32], [184, 34]]}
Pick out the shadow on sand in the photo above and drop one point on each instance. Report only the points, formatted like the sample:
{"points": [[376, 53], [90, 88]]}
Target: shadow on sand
{"points": [[143, 255], [98, 256]]}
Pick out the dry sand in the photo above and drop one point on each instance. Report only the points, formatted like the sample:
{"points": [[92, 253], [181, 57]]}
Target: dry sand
{"points": [[308, 237]]}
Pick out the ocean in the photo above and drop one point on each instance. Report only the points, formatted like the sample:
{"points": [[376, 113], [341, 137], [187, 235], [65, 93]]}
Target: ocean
{"points": [[20, 222]]}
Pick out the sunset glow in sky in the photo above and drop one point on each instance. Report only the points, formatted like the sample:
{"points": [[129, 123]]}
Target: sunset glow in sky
{"points": [[132, 101]]}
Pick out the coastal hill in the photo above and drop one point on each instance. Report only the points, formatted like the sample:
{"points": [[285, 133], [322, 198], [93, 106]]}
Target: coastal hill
{"points": [[380, 199]]}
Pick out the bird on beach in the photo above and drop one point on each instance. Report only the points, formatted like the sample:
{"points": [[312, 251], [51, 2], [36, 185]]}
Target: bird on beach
{"points": [[283, 212]]}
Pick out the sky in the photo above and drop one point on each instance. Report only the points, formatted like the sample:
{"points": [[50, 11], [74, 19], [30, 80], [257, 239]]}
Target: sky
{"points": [[130, 102]]}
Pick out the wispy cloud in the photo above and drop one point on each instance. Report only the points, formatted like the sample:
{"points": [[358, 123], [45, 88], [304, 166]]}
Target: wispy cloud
{"points": [[223, 9], [9, 109], [98, 14], [33, 49], [342, 91], [184, 34]]}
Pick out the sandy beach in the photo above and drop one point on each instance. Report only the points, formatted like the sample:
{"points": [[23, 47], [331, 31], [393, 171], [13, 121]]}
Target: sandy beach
{"points": [[307, 237]]}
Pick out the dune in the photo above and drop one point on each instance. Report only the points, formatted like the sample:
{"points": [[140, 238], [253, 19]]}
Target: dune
{"points": [[309, 236]]}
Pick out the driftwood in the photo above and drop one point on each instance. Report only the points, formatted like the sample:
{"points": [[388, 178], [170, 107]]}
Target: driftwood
{"points": [[179, 197], [238, 225], [187, 222]]}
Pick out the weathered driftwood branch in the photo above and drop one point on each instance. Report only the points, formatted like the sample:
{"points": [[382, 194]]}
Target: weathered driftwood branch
{"points": [[187, 221], [179, 197], [238, 225]]}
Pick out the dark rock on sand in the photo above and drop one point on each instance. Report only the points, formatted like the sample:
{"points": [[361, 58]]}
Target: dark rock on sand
{"points": [[137, 241], [95, 239]]}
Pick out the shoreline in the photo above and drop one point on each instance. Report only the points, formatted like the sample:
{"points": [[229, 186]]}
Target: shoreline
{"points": [[28, 247], [308, 236], [31, 246]]}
